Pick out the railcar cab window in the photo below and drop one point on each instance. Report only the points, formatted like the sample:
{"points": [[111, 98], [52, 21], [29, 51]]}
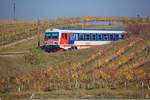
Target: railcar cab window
{"points": [[99, 36], [47, 36], [93, 36], [105, 37], [87, 36], [54, 35], [51, 35], [81, 36]]}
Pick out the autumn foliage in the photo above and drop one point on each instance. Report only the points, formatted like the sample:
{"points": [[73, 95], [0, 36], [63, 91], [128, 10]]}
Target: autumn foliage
{"points": [[15, 30], [124, 64], [111, 65]]}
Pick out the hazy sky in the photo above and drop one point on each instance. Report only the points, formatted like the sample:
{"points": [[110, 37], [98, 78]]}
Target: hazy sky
{"points": [[50, 9]]}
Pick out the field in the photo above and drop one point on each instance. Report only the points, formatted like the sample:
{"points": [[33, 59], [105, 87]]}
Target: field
{"points": [[115, 70]]}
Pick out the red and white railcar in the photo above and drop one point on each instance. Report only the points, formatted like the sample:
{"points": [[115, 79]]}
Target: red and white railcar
{"points": [[81, 38]]}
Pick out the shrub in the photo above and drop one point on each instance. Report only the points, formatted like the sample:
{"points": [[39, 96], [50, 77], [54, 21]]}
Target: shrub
{"points": [[35, 56], [138, 29]]}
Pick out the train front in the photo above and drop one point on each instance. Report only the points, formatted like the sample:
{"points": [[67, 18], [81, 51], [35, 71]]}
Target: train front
{"points": [[51, 40]]}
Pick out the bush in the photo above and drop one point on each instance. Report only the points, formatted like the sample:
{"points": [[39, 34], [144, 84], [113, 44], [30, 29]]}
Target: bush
{"points": [[35, 56]]}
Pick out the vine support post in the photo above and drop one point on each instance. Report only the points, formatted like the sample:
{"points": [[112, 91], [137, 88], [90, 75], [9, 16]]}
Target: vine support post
{"points": [[2, 40], [93, 77]]}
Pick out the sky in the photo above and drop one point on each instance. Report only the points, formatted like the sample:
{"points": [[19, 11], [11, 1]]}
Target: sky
{"points": [[52, 9]]}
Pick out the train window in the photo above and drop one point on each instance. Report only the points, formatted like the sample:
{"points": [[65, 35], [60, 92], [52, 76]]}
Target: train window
{"points": [[51, 35], [117, 36], [111, 37], [87, 36], [93, 36], [122, 36], [54, 35], [81, 36], [47, 36], [62, 35], [65, 36], [76, 35], [71, 36], [105, 37], [99, 36]]}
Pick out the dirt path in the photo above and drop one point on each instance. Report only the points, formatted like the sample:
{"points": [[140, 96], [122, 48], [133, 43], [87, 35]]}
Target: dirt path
{"points": [[12, 53], [17, 42]]}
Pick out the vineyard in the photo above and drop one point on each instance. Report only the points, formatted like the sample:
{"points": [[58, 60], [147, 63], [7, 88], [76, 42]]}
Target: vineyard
{"points": [[119, 66], [122, 64], [11, 31]]}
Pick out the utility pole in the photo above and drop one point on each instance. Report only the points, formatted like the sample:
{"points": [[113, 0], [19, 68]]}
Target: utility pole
{"points": [[38, 32], [14, 11]]}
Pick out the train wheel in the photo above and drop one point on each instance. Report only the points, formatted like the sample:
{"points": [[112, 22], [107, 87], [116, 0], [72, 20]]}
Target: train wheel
{"points": [[74, 48], [70, 49]]}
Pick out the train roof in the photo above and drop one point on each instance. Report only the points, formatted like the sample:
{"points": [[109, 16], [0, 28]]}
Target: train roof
{"points": [[91, 29], [85, 30]]}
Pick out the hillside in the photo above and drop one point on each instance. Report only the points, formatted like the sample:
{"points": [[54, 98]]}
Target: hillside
{"points": [[115, 70], [117, 65]]}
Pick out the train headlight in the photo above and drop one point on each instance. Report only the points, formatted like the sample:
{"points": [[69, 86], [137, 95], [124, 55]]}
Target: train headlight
{"points": [[45, 42]]}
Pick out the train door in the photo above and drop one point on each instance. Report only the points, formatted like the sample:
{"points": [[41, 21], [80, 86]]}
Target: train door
{"points": [[71, 38], [64, 38]]}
